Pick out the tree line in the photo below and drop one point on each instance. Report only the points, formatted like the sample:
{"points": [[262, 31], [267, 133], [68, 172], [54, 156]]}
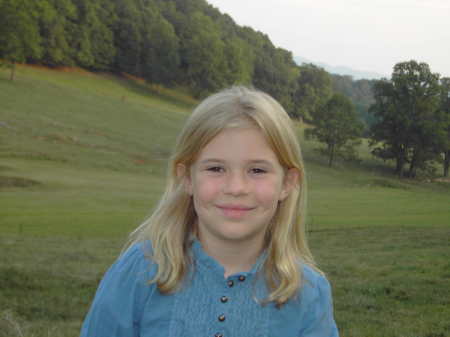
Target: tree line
{"points": [[412, 119], [407, 119], [177, 43], [190, 44]]}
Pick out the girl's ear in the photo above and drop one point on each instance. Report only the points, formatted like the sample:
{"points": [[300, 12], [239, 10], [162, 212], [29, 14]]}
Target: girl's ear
{"points": [[184, 175], [291, 180]]}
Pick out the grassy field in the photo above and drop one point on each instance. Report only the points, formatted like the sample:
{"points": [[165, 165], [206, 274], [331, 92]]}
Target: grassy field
{"points": [[83, 159]]}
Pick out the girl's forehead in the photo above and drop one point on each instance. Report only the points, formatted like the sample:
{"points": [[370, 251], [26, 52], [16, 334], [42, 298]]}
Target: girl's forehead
{"points": [[240, 142]]}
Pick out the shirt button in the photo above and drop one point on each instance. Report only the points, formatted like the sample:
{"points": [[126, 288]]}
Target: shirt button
{"points": [[221, 318], [218, 335], [241, 278], [230, 283], [224, 299]]}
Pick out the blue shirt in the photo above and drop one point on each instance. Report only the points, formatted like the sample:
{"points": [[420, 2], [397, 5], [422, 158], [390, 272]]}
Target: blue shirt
{"points": [[126, 305]]}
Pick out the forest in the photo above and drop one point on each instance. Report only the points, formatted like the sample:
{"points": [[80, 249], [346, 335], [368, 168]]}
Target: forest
{"points": [[178, 43], [191, 46]]}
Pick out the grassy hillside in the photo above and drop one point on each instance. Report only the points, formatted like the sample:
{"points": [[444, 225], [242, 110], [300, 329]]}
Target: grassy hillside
{"points": [[83, 159]]}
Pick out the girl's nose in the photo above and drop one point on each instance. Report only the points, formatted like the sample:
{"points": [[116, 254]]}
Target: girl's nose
{"points": [[236, 184]]}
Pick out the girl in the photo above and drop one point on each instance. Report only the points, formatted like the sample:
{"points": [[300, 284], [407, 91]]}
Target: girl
{"points": [[224, 253]]}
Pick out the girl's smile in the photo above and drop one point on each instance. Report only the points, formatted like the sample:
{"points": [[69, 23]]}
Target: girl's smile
{"points": [[235, 211]]}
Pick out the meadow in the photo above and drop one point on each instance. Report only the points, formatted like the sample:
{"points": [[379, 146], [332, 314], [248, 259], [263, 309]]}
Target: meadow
{"points": [[83, 160]]}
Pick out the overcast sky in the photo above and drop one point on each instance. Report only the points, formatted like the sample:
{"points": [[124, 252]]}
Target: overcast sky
{"points": [[369, 35]]}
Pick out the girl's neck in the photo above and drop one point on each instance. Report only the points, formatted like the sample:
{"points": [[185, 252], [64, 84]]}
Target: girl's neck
{"points": [[235, 257]]}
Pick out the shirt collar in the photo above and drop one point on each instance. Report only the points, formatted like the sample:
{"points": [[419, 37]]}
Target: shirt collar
{"points": [[200, 257]]}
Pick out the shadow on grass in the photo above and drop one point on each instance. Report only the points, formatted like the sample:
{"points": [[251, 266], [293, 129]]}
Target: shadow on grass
{"points": [[8, 182], [142, 88]]}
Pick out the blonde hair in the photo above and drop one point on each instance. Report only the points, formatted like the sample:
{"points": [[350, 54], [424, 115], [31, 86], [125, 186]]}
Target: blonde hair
{"points": [[173, 221]]}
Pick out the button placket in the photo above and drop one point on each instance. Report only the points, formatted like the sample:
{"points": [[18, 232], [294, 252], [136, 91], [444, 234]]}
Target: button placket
{"points": [[224, 299]]}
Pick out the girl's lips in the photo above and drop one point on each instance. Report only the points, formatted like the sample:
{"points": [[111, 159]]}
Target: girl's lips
{"points": [[234, 211]]}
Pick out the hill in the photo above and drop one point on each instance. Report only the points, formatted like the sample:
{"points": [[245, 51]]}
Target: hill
{"points": [[83, 160], [342, 70]]}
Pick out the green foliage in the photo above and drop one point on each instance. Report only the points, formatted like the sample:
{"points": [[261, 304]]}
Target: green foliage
{"points": [[128, 38], [56, 22], [408, 125], [337, 125], [19, 32], [312, 92], [202, 51], [92, 36], [160, 54], [175, 43], [360, 93], [444, 111], [274, 72]]}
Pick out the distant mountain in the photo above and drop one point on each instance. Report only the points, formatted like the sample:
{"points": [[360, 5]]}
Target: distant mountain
{"points": [[341, 70]]}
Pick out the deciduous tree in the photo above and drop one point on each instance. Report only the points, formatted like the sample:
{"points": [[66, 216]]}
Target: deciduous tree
{"points": [[312, 92], [337, 125], [407, 127], [19, 32], [445, 109]]}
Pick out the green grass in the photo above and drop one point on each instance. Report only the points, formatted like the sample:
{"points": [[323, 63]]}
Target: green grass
{"points": [[83, 161]]}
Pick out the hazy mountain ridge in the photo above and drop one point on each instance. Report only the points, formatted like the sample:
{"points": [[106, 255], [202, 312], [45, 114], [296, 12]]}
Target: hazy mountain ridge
{"points": [[341, 70]]}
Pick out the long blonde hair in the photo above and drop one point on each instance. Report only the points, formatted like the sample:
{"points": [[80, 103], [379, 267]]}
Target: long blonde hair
{"points": [[173, 221]]}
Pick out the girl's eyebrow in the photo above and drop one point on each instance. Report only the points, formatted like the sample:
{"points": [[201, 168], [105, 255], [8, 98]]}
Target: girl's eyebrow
{"points": [[211, 160], [250, 161]]}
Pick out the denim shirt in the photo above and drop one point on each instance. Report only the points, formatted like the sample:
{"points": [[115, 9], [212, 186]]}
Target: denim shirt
{"points": [[207, 304]]}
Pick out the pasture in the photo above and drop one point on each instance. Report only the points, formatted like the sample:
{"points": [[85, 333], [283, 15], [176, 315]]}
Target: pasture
{"points": [[83, 160]]}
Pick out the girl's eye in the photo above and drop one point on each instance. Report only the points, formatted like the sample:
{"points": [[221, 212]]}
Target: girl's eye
{"points": [[257, 170], [216, 169]]}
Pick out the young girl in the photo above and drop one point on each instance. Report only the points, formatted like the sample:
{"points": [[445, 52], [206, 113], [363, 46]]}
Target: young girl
{"points": [[224, 253]]}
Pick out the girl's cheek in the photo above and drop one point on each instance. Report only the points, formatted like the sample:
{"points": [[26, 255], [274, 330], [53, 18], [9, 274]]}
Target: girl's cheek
{"points": [[268, 192], [208, 187]]}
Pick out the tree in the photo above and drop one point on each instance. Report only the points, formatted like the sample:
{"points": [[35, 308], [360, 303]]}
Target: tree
{"points": [[202, 54], [407, 127], [360, 93], [93, 36], [274, 71], [55, 21], [445, 109], [337, 125], [312, 92], [239, 61], [19, 32], [160, 52]]}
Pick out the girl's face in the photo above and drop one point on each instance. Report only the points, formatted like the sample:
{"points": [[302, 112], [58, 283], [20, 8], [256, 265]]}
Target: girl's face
{"points": [[236, 184]]}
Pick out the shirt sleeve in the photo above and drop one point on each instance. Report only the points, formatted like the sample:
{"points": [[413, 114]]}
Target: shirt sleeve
{"points": [[319, 314], [121, 295]]}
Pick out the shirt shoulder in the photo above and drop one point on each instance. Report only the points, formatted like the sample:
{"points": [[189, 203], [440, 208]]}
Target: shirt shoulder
{"points": [[122, 294], [314, 284], [134, 265], [316, 305]]}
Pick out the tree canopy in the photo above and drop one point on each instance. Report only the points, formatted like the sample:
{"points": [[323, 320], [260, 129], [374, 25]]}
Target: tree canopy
{"points": [[187, 43], [338, 126], [409, 122]]}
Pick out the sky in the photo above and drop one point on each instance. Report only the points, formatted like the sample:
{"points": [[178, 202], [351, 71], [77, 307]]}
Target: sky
{"points": [[366, 35]]}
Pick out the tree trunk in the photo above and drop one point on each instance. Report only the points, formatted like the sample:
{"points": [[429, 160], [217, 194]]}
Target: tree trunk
{"points": [[399, 165], [331, 157], [13, 71], [446, 162], [413, 165]]}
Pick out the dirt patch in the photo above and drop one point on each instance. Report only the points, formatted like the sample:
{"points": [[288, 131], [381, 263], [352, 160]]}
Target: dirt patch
{"points": [[17, 182], [442, 180]]}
